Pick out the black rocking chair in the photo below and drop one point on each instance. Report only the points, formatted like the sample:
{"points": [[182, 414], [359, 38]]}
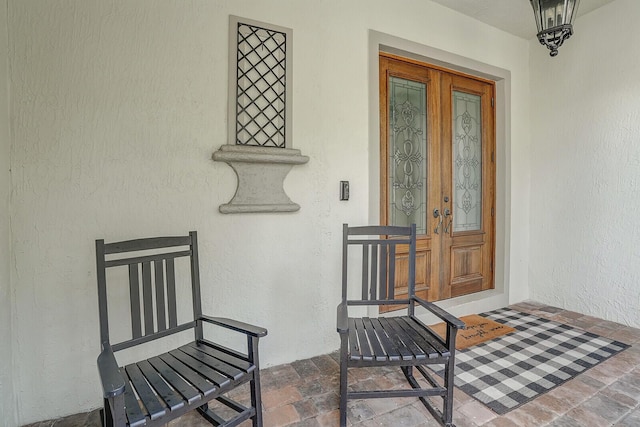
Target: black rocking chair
{"points": [[156, 390], [402, 341]]}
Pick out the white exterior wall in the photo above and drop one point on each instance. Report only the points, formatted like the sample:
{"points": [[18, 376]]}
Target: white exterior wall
{"points": [[585, 162], [117, 107], [7, 401]]}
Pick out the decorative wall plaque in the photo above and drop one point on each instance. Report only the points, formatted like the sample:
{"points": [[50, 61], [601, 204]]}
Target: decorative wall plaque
{"points": [[259, 129]]}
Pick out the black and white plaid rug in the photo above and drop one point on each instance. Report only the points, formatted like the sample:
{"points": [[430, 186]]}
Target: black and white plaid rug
{"points": [[511, 370]]}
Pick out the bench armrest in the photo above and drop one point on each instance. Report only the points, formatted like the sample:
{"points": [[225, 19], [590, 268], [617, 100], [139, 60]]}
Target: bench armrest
{"points": [[245, 328], [343, 318], [448, 318], [112, 381]]}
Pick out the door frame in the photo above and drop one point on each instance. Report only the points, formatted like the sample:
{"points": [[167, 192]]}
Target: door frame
{"points": [[381, 42]]}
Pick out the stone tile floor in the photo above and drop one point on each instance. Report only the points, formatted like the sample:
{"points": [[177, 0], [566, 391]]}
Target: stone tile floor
{"points": [[305, 393]]}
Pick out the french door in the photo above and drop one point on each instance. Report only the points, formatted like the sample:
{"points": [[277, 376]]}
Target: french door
{"points": [[437, 147]]}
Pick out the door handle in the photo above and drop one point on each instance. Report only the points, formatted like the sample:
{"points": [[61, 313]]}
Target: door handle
{"points": [[437, 214], [447, 228]]}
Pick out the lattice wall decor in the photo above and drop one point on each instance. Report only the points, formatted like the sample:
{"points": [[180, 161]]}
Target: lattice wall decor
{"points": [[259, 132], [261, 86]]}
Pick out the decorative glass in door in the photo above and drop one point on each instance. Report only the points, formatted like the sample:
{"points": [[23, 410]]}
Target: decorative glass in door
{"points": [[407, 175], [467, 162]]}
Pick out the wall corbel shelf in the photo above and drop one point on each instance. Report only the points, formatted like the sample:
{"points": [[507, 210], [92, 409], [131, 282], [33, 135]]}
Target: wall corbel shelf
{"points": [[261, 172]]}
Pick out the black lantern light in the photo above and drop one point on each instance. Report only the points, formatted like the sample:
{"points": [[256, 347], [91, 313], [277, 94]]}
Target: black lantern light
{"points": [[554, 19]]}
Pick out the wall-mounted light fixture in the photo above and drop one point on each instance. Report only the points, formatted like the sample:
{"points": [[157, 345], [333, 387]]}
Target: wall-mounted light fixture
{"points": [[554, 19]]}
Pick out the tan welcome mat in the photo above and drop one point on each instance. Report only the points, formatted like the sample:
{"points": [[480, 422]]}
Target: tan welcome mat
{"points": [[479, 329]]}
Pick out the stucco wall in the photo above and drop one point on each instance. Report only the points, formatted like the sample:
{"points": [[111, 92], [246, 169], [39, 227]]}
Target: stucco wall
{"points": [[7, 402], [585, 162], [117, 107]]}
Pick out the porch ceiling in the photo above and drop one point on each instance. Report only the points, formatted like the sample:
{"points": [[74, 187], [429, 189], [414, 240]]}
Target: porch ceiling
{"points": [[512, 16]]}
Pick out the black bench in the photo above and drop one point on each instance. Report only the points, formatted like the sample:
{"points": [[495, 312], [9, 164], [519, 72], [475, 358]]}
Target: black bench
{"points": [[387, 255], [156, 390]]}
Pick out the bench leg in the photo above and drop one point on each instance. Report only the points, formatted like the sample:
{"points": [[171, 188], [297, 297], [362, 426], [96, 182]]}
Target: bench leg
{"points": [[254, 384], [107, 419], [343, 380], [113, 414], [447, 409], [408, 372]]}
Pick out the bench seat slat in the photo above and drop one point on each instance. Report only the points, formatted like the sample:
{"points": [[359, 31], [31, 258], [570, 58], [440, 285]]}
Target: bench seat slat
{"points": [[395, 339], [431, 339], [227, 358], [134, 414], [392, 352], [407, 338], [155, 409], [218, 365], [392, 338], [354, 347], [365, 349], [200, 368], [168, 395], [205, 387], [420, 337], [379, 353], [184, 388]]}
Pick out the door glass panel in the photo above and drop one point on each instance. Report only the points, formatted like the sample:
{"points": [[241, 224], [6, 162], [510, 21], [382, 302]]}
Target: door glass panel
{"points": [[467, 162], [407, 186]]}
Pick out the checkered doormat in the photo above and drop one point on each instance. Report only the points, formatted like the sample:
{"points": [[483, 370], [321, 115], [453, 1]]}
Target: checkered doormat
{"points": [[513, 369]]}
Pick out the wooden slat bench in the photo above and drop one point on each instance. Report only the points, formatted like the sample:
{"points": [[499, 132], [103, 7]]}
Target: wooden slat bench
{"points": [[402, 341], [154, 391]]}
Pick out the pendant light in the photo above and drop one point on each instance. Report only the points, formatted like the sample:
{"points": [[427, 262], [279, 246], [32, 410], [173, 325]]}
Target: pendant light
{"points": [[554, 19]]}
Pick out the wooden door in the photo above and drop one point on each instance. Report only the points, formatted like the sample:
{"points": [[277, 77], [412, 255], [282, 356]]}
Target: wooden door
{"points": [[437, 170], [409, 117], [468, 185]]}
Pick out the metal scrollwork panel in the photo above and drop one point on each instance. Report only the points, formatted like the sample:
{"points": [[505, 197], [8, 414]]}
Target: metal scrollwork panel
{"points": [[467, 162], [407, 153]]}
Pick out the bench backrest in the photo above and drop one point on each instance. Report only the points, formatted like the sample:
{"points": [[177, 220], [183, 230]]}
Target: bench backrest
{"points": [[377, 248], [150, 265]]}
